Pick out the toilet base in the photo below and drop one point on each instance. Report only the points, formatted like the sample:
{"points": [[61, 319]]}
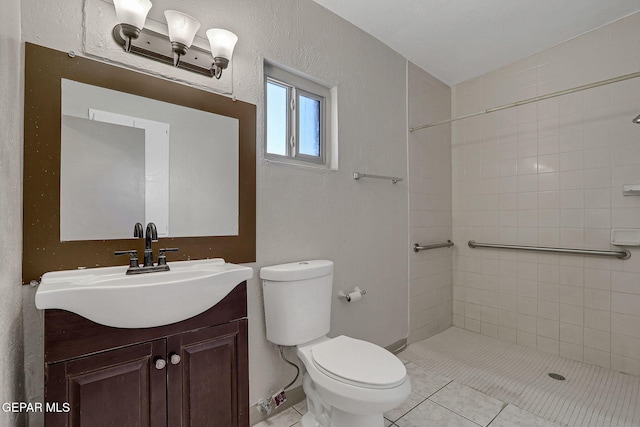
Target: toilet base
{"points": [[320, 414], [343, 419], [308, 420]]}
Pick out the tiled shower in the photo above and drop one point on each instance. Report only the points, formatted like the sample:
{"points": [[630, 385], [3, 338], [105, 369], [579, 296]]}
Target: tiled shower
{"points": [[550, 173]]}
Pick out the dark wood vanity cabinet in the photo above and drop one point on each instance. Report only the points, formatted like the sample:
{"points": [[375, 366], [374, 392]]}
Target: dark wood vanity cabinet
{"points": [[189, 374], [114, 388]]}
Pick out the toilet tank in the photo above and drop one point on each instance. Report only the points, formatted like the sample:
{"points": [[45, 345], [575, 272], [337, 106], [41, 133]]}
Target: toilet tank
{"points": [[297, 301]]}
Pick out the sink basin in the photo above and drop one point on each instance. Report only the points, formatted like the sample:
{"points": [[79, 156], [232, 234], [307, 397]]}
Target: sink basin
{"points": [[110, 297]]}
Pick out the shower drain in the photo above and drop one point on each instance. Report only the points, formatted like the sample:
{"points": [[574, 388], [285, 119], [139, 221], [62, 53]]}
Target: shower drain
{"points": [[556, 376]]}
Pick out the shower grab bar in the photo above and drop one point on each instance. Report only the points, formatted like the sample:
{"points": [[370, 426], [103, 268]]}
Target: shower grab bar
{"points": [[358, 175], [417, 247], [622, 254]]}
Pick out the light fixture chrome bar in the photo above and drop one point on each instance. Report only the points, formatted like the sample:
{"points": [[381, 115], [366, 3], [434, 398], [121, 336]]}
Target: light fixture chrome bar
{"points": [[418, 248], [358, 175], [623, 254], [534, 99], [157, 46]]}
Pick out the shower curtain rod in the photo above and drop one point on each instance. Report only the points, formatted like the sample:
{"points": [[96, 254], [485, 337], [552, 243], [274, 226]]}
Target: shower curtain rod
{"points": [[534, 99]]}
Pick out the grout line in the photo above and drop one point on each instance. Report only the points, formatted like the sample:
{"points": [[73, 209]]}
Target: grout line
{"points": [[499, 412], [450, 381], [454, 412], [412, 408]]}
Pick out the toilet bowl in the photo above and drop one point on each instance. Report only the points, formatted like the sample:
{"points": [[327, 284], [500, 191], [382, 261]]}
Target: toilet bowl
{"points": [[356, 381], [348, 382]]}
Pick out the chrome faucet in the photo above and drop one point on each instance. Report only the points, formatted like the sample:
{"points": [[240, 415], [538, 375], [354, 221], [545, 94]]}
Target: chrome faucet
{"points": [[151, 235]]}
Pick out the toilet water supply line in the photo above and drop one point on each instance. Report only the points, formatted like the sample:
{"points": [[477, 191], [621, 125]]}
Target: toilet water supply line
{"points": [[290, 363], [266, 406]]}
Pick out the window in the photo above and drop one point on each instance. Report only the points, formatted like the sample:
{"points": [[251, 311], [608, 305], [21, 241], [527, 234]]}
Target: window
{"points": [[296, 117]]}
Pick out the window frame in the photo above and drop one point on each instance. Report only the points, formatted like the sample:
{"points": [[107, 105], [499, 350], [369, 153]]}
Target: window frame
{"points": [[298, 85]]}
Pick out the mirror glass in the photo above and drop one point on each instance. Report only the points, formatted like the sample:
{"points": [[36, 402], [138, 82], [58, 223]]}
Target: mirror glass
{"points": [[127, 159]]}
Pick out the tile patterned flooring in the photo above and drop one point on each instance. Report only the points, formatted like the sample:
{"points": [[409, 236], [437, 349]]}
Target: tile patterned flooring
{"points": [[591, 396], [439, 402], [463, 379]]}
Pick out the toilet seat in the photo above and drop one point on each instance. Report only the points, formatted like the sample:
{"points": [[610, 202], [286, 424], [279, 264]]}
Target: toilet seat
{"points": [[359, 363]]}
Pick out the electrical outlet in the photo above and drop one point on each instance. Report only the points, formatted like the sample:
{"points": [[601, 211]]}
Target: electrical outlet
{"points": [[279, 398]]}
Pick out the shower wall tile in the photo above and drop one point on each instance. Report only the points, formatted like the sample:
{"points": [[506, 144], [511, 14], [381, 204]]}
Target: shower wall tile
{"points": [[597, 357], [431, 273], [550, 174], [548, 345]]}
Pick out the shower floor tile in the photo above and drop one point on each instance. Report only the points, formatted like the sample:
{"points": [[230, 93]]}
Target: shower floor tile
{"points": [[512, 416], [590, 396]]}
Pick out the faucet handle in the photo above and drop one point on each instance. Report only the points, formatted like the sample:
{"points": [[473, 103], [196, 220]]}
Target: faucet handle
{"points": [[133, 257], [162, 258]]}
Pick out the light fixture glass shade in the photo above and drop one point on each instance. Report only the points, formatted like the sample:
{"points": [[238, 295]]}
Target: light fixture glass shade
{"points": [[182, 27], [222, 43], [132, 12]]}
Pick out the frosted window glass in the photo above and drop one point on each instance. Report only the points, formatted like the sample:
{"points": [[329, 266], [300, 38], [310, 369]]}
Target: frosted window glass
{"points": [[276, 119], [309, 123]]}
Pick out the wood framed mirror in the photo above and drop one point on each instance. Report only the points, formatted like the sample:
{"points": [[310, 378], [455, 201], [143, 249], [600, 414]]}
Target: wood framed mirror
{"points": [[43, 248]]}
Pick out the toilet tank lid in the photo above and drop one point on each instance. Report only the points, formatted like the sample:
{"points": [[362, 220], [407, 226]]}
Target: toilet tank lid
{"points": [[297, 270]]}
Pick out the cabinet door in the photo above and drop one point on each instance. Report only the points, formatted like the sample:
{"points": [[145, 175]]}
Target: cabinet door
{"points": [[208, 387], [119, 387]]}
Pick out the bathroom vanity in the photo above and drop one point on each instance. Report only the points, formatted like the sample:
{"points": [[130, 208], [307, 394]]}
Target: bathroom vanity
{"points": [[190, 373], [160, 349]]}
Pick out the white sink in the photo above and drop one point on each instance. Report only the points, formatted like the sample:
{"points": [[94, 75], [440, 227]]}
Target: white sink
{"points": [[110, 297]]}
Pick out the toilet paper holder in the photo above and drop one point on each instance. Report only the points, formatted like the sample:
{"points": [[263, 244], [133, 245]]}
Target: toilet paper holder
{"points": [[353, 296]]}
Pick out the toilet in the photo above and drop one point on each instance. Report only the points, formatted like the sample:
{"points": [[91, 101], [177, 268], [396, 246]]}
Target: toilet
{"points": [[348, 382]]}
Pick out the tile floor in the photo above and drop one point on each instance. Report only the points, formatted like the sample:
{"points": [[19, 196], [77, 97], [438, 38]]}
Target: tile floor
{"points": [[460, 378], [439, 402]]}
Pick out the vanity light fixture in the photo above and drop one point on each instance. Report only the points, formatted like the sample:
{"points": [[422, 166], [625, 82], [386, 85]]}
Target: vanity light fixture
{"points": [[131, 15], [222, 43], [182, 30], [134, 38], [637, 120]]}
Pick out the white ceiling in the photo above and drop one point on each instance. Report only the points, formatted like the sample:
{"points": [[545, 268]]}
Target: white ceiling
{"points": [[456, 40]]}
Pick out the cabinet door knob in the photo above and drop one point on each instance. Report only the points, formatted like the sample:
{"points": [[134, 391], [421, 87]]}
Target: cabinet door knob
{"points": [[175, 358], [160, 363]]}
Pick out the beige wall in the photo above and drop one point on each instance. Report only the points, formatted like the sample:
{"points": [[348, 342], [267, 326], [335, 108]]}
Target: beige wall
{"points": [[11, 381], [305, 213], [430, 282], [551, 174]]}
